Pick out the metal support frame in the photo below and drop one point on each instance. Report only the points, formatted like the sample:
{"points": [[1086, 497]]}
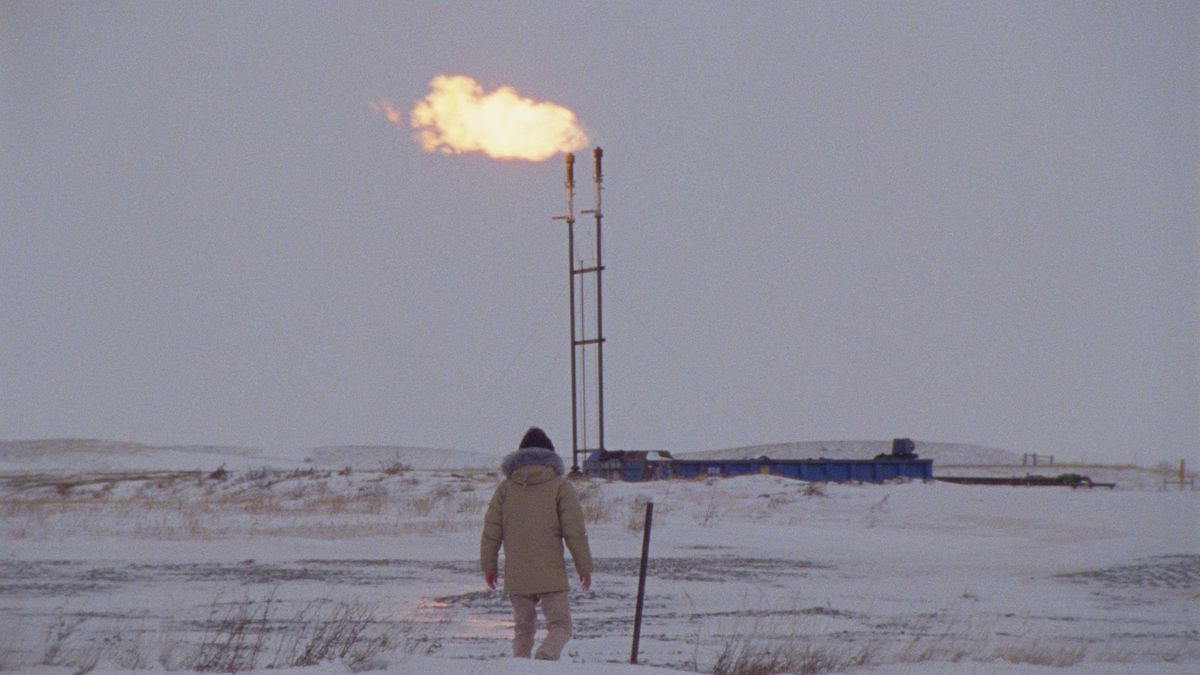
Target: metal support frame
{"points": [[579, 343]]}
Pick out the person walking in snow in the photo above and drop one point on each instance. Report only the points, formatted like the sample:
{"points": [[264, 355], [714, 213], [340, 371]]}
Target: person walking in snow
{"points": [[533, 511]]}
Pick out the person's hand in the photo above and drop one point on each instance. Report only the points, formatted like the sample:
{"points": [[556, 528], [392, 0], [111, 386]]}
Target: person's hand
{"points": [[585, 580], [490, 579]]}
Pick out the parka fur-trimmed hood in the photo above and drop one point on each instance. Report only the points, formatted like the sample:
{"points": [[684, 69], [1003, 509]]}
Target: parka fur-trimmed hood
{"points": [[531, 457]]}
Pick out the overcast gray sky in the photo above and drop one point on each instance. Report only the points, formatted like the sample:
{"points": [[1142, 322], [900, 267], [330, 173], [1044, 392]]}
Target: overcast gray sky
{"points": [[962, 221]]}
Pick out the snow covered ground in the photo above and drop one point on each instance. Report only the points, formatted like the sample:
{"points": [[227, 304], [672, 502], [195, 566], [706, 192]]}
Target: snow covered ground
{"points": [[126, 557]]}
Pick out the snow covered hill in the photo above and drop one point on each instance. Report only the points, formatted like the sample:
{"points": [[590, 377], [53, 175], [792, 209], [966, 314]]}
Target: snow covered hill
{"points": [[76, 454], [86, 454]]}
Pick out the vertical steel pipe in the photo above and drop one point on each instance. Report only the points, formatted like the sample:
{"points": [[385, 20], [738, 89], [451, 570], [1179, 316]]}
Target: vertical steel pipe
{"points": [[597, 154], [571, 280]]}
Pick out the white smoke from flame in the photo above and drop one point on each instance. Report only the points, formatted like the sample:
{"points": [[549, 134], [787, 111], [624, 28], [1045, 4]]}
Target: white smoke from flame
{"points": [[457, 117]]}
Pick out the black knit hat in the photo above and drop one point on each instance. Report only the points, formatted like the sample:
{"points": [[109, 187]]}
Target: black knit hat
{"points": [[535, 438]]}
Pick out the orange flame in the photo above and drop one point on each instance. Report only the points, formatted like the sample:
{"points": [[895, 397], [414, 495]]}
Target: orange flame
{"points": [[388, 109], [457, 117]]}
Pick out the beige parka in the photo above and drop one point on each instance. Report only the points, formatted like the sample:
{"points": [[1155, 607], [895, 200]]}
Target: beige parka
{"points": [[533, 511]]}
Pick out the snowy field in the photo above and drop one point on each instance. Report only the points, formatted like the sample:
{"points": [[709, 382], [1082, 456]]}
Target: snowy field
{"points": [[121, 557]]}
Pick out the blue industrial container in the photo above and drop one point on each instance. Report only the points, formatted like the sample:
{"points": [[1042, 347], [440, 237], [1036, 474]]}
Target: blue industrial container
{"points": [[637, 465]]}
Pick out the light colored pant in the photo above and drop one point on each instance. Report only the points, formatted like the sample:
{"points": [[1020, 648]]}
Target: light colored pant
{"points": [[557, 610]]}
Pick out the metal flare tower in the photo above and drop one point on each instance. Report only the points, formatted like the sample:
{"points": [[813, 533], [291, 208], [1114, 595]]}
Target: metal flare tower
{"points": [[582, 343]]}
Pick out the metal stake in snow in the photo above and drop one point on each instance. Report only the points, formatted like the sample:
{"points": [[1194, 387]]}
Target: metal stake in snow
{"points": [[637, 617]]}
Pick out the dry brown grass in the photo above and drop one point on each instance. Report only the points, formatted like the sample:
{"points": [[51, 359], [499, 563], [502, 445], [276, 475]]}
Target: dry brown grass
{"points": [[770, 646], [1038, 652], [192, 505], [263, 633], [597, 508]]}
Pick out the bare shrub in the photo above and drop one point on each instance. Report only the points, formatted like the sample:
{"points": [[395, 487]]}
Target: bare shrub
{"points": [[59, 637], [637, 514], [322, 634], [637, 521], [951, 641], [68, 645], [423, 506], [255, 475], [596, 507], [261, 503], [713, 508], [250, 635], [763, 651], [122, 650], [470, 505], [166, 651], [877, 511], [309, 473], [337, 503], [396, 468], [234, 638], [371, 503], [1184, 649]]}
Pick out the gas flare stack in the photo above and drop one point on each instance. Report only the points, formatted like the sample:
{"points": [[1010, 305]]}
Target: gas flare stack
{"points": [[581, 270]]}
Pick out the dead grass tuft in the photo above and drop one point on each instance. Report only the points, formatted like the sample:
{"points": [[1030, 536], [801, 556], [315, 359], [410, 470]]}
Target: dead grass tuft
{"points": [[763, 650], [714, 507], [814, 490], [1037, 652], [255, 634], [596, 507]]}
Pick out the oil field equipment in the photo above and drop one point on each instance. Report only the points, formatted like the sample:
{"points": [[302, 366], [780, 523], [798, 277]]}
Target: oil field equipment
{"points": [[641, 465]]}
